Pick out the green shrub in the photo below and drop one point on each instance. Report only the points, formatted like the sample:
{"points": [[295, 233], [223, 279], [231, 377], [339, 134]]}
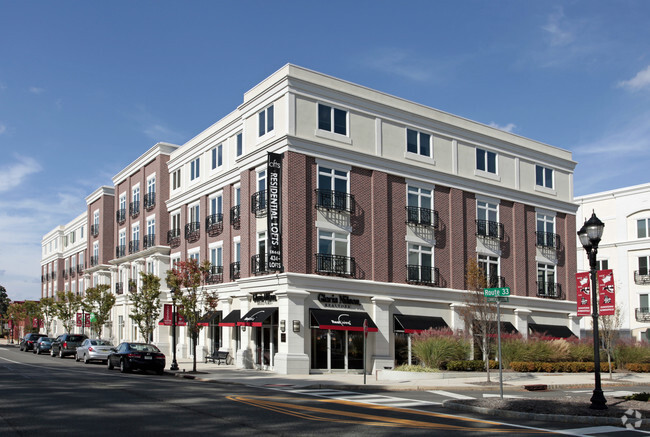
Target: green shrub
{"points": [[581, 350], [626, 352], [413, 368], [470, 365], [433, 348]]}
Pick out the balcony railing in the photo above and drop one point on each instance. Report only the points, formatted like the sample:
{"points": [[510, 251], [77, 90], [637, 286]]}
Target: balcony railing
{"points": [[495, 281], [174, 237], [149, 201], [94, 229], [134, 246], [422, 217], [216, 275], [547, 239], [423, 275], [259, 264], [149, 241], [120, 216], [235, 217], [335, 265], [120, 251], [192, 232], [489, 229], [235, 271], [119, 288], [214, 224], [258, 203], [550, 290], [642, 314], [94, 260], [334, 200], [80, 268], [72, 271], [134, 209], [53, 275], [641, 277]]}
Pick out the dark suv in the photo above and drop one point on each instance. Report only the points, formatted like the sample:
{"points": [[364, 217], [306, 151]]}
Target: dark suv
{"points": [[66, 344], [27, 343]]}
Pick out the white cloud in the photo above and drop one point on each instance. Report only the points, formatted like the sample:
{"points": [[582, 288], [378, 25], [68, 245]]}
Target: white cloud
{"points": [[15, 173], [36, 90], [510, 127], [557, 29], [3, 128], [154, 128], [638, 82]]}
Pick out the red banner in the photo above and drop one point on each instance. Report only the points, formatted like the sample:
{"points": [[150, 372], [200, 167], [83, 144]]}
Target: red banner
{"points": [[584, 294], [606, 301], [86, 317], [167, 317], [36, 323]]}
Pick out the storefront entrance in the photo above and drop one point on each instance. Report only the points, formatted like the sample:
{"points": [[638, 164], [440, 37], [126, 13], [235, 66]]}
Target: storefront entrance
{"points": [[336, 350]]}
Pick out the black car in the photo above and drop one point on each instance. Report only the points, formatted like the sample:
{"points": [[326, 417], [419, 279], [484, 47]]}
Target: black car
{"points": [[43, 344], [27, 343], [130, 356], [66, 344]]}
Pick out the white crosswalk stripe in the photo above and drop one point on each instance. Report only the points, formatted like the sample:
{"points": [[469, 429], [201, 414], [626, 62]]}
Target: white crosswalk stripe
{"points": [[343, 395], [449, 394]]}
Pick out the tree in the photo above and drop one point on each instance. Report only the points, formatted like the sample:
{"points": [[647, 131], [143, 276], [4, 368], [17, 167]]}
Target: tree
{"points": [[4, 307], [99, 302], [47, 310], [609, 326], [145, 308], [32, 311], [16, 313], [66, 308], [479, 315], [187, 281]]}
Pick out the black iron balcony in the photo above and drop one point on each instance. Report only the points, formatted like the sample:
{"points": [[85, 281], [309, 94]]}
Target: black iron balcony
{"points": [[641, 277], [94, 229], [235, 271], [119, 288], [94, 260], [134, 209], [43, 278], [547, 240], [120, 215], [334, 201], [80, 268], [134, 246], [149, 241], [53, 275], [426, 275], [489, 229], [174, 237], [259, 264], [149, 201], [72, 272], [120, 251], [258, 203], [422, 217], [215, 276], [335, 265], [642, 314], [235, 217], [550, 290], [192, 232], [495, 281], [214, 224]]}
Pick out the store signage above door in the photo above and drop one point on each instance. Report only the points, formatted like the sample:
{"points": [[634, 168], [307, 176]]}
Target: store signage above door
{"points": [[337, 301], [274, 214], [265, 297]]}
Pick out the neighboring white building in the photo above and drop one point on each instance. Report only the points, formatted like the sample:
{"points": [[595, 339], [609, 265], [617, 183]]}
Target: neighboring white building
{"points": [[624, 248]]}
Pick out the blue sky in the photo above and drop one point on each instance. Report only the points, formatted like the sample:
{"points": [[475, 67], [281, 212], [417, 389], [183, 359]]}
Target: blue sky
{"points": [[86, 87]]}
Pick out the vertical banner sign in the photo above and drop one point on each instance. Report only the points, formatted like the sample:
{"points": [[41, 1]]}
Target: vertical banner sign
{"points": [[606, 301], [274, 216], [78, 319], [584, 294], [167, 315]]}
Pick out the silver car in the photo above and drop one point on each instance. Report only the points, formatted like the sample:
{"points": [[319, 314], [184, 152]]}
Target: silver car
{"points": [[93, 349]]}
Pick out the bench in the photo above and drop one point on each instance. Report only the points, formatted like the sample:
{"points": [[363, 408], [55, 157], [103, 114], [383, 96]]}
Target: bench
{"points": [[218, 357]]}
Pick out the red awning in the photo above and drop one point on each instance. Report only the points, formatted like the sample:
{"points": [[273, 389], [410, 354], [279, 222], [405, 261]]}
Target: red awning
{"points": [[231, 319], [256, 316]]}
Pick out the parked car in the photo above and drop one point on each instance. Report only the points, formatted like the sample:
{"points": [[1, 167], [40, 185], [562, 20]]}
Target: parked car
{"points": [[93, 349], [43, 344], [27, 343], [130, 356], [66, 344]]}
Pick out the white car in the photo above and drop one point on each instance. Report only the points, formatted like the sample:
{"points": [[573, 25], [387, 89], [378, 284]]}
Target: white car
{"points": [[93, 349]]}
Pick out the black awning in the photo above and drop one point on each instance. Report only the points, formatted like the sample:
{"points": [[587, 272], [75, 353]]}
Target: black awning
{"points": [[256, 316], [231, 319], [412, 324], [341, 320], [208, 318], [552, 331]]}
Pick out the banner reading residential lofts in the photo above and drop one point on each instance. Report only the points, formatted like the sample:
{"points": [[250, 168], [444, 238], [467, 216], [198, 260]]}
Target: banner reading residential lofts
{"points": [[583, 296], [606, 292], [274, 215]]}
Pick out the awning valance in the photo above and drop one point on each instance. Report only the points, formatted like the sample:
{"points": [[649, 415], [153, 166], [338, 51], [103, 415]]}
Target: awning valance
{"points": [[256, 316], [553, 331], [341, 320], [412, 324], [208, 318], [231, 319]]}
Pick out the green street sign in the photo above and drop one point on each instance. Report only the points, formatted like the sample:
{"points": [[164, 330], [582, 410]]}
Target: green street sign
{"points": [[496, 292], [498, 299]]}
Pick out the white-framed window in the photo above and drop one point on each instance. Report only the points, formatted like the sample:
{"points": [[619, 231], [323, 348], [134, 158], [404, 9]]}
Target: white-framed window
{"points": [[216, 204], [265, 121], [420, 205], [150, 267], [174, 259], [216, 258], [486, 161], [195, 168], [644, 265], [236, 195], [193, 213], [176, 179], [544, 177], [194, 254], [176, 220], [332, 119], [135, 233], [420, 263], [418, 143], [96, 251], [237, 249], [123, 201], [546, 230], [643, 228], [135, 198], [490, 266], [82, 262], [644, 303], [546, 286], [602, 264], [96, 218], [73, 287], [151, 184], [487, 216], [333, 243], [81, 232], [240, 144], [82, 288], [217, 156], [151, 226]]}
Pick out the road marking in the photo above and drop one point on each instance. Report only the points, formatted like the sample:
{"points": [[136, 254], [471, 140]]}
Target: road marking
{"points": [[449, 394], [593, 430], [492, 395], [357, 397], [11, 361]]}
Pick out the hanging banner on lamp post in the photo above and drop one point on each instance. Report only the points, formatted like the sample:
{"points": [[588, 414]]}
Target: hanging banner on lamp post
{"points": [[584, 294], [606, 291]]}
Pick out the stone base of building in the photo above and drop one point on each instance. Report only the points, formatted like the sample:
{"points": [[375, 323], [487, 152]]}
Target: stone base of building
{"points": [[382, 363], [292, 364]]}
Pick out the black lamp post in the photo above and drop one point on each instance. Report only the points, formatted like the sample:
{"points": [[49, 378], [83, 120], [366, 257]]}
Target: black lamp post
{"points": [[589, 235], [174, 365]]}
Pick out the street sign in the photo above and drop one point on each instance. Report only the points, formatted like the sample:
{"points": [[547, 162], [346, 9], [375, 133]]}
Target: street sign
{"points": [[496, 292], [498, 299]]}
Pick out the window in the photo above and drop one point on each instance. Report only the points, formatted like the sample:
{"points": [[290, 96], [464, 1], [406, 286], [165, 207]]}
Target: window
{"points": [[150, 197], [418, 143], [490, 267], [602, 264], [193, 213], [259, 263], [217, 156], [240, 144], [486, 161], [216, 205], [96, 252], [543, 176], [333, 189], [194, 256], [643, 303], [644, 262], [546, 231], [332, 254], [642, 228], [260, 198], [332, 119], [136, 194], [176, 179], [420, 259], [151, 185], [265, 119], [487, 221], [195, 170], [216, 256], [420, 206], [487, 211], [81, 232], [546, 286]]}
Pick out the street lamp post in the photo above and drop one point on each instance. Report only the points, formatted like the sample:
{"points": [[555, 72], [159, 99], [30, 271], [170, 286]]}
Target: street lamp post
{"points": [[590, 235], [174, 365]]}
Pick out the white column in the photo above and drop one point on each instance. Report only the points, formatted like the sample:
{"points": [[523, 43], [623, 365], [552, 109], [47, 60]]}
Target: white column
{"points": [[292, 358], [382, 357], [521, 321], [244, 358], [574, 324], [457, 322]]}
